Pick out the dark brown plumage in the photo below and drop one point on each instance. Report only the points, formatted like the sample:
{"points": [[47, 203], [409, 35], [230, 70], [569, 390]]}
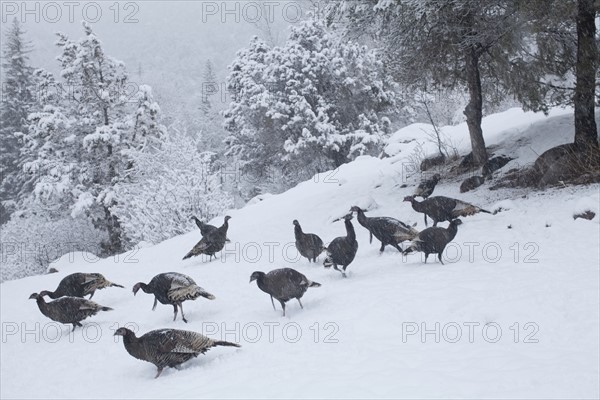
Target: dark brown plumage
{"points": [[283, 284], [172, 288], [212, 243], [309, 245], [342, 250], [68, 310], [205, 229], [80, 284], [388, 230], [425, 188], [168, 347], [434, 240], [440, 208]]}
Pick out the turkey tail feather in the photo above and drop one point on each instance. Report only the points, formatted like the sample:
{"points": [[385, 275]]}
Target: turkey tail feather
{"points": [[224, 343], [207, 295]]}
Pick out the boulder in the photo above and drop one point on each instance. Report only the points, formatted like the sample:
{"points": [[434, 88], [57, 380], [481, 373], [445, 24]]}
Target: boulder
{"points": [[471, 183], [431, 162]]}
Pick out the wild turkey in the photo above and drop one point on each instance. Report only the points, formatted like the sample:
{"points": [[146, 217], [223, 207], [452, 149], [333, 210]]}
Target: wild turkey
{"points": [[342, 250], [434, 240], [68, 310], [283, 284], [388, 230], [440, 208], [167, 347], [211, 243], [172, 288], [80, 284], [309, 245], [425, 188], [205, 229]]}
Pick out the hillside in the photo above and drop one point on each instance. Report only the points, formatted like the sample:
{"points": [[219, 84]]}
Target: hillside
{"points": [[514, 313]]}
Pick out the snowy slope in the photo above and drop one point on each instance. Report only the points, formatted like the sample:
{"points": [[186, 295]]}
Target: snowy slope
{"points": [[537, 283], [525, 135]]}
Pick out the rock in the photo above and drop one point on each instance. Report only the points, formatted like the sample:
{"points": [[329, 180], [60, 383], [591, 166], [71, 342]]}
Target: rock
{"points": [[527, 177], [568, 163], [431, 162], [467, 162], [471, 183], [551, 156], [494, 164], [589, 215]]}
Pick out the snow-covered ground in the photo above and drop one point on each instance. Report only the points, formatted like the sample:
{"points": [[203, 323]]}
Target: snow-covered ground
{"points": [[514, 313]]}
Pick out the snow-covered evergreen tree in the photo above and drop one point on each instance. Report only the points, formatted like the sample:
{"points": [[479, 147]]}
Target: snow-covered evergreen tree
{"points": [[209, 121], [147, 129], [83, 138], [18, 97], [310, 105], [443, 44], [210, 87], [166, 186]]}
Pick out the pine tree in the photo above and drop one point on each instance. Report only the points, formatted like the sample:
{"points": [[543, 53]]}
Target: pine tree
{"points": [[17, 101], [165, 187], [209, 88], [559, 64], [586, 131], [543, 52], [147, 129], [443, 44], [311, 105], [84, 137]]}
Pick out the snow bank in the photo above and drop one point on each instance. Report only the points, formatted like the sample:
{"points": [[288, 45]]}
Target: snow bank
{"points": [[514, 313]]}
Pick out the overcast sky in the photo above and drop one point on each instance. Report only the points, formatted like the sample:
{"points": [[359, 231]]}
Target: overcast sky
{"points": [[170, 40]]}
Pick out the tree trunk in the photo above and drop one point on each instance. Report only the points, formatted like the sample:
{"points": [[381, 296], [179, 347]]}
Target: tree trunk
{"points": [[114, 244], [337, 157], [586, 131], [473, 110]]}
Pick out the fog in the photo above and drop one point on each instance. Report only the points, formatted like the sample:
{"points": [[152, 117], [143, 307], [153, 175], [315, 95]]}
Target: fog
{"points": [[163, 43]]}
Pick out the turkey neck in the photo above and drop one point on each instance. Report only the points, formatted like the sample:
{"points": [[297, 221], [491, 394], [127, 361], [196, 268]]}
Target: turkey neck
{"points": [[452, 230], [298, 231], [129, 338], [52, 295], [146, 288], [417, 206], [261, 283], [350, 230], [42, 305], [362, 219], [132, 346]]}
